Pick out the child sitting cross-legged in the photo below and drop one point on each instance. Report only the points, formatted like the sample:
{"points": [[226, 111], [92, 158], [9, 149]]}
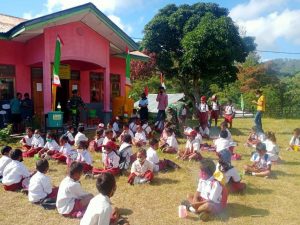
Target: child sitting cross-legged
{"points": [[139, 139], [80, 136], [222, 142], [40, 188], [15, 175], [84, 157], [27, 139], [226, 173], [125, 153], [261, 162], [158, 165], [252, 138], [272, 147], [126, 131], [37, 144], [210, 197], [70, 136], [51, 147], [64, 151], [72, 200], [5, 159], [171, 144], [141, 169], [100, 209], [192, 148], [295, 141]]}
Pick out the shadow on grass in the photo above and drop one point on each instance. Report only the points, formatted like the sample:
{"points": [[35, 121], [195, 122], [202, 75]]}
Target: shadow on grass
{"points": [[276, 173], [290, 163], [236, 131], [125, 212], [157, 181], [236, 210], [250, 190]]}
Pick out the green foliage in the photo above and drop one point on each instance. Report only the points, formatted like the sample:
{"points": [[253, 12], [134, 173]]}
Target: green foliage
{"points": [[284, 67], [5, 132]]}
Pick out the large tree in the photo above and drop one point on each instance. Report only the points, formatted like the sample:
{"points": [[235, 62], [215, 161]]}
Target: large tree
{"points": [[196, 43]]}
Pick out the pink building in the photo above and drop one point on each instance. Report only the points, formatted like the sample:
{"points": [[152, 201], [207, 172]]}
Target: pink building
{"points": [[93, 58]]}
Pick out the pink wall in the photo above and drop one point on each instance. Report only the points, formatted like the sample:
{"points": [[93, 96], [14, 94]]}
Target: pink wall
{"points": [[35, 50], [13, 53], [118, 66]]}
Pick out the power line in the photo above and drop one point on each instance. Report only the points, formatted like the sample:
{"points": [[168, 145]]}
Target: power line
{"points": [[279, 52]]}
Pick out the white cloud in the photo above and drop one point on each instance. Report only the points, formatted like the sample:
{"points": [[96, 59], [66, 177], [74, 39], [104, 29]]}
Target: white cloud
{"points": [[268, 23], [117, 20]]}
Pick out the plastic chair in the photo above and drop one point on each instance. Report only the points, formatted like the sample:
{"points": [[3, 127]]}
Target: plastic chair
{"points": [[92, 118]]}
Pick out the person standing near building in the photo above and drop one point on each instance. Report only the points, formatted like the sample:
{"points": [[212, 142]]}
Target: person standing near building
{"points": [[27, 109], [15, 107], [74, 104], [143, 104], [162, 99], [261, 108]]}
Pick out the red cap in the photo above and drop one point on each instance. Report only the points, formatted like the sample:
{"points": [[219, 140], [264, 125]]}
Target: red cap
{"points": [[111, 145], [193, 133], [203, 98]]}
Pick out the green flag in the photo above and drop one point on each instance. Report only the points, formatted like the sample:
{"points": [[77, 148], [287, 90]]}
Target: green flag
{"points": [[56, 65], [242, 102], [128, 58]]}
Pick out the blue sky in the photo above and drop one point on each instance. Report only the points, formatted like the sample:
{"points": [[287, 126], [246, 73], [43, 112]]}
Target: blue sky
{"points": [[274, 23]]}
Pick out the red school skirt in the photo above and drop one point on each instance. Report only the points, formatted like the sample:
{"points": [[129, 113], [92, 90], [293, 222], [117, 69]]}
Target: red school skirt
{"points": [[203, 119]]}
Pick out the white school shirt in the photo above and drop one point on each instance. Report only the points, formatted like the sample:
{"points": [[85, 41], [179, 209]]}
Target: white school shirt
{"points": [[69, 190], [127, 132], [272, 150], [80, 137], [84, 156], [261, 162], [66, 150], [146, 128], [221, 144], [37, 142], [231, 173], [195, 144], [210, 189], [172, 142], [203, 107], [14, 172], [98, 212], [39, 187], [138, 168], [295, 141], [110, 160], [132, 127], [204, 132], [70, 136], [116, 127], [153, 158], [99, 141], [52, 145], [215, 106], [199, 137], [4, 160], [125, 151], [229, 109], [140, 136], [26, 140]]}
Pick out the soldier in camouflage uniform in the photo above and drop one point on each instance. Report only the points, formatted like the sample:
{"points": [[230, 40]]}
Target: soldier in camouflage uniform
{"points": [[74, 104], [171, 117]]}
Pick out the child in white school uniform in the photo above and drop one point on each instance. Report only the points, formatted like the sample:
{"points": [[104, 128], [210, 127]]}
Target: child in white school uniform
{"points": [[222, 142], [100, 209], [192, 148], [27, 139], [36, 145], [272, 147], [125, 131], [70, 136], [5, 159], [96, 144], [210, 197], [158, 165], [72, 200], [40, 187], [50, 148], [84, 157], [141, 169], [295, 141], [171, 145], [125, 152], [261, 162], [253, 138], [226, 173], [147, 129], [15, 175], [80, 136], [110, 127], [139, 139], [65, 150]]}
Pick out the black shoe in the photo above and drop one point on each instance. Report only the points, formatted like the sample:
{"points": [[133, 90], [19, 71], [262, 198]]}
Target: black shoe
{"points": [[187, 204]]}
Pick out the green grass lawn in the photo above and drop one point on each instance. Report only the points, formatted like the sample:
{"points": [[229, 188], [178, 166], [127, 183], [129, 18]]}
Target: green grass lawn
{"points": [[266, 201]]}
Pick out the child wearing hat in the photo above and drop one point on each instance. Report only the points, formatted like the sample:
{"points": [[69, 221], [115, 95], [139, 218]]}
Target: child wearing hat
{"points": [[210, 197], [192, 148], [261, 162]]}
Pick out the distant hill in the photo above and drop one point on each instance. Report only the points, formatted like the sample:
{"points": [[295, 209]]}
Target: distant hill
{"points": [[284, 67]]}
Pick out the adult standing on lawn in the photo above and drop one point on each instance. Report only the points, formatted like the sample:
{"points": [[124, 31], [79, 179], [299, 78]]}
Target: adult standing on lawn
{"points": [[261, 108], [162, 99], [15, 107], [143, 104], [74, 104]]}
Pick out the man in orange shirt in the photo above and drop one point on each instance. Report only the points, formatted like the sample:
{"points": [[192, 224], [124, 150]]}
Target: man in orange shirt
{"points": [[261, 107]]}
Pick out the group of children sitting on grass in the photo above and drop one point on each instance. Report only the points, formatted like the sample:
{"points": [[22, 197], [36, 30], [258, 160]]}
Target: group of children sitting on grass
{"points": [[72, 201]]}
